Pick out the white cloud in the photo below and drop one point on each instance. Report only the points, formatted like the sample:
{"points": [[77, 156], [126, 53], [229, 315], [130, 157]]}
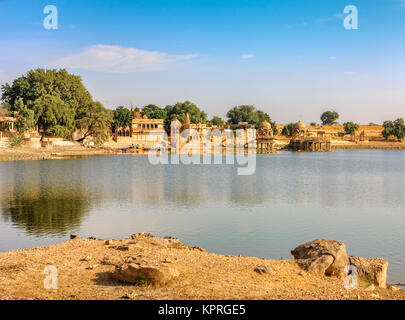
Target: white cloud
{"points": [[332, 58], [350, 73], [247, 56], [116, 59]]}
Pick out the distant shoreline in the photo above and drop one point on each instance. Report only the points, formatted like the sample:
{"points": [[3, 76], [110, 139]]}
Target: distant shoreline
{"points": [[26, 154]]}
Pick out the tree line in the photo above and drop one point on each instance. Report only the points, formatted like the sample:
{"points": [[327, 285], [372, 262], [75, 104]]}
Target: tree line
{"points": [[58, 103]]}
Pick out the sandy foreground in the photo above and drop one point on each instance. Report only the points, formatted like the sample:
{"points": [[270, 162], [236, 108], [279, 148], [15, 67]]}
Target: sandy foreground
{"points": [[84, 267]]}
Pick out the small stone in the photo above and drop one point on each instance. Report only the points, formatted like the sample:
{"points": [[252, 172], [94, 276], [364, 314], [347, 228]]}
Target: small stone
{"points": [[371, 287], [393, 288], [168, 260], [73, 236], [87, 258], [92, 238], [263, 270], [130, 295], [123, 247], [108, 242], [92, 267]]}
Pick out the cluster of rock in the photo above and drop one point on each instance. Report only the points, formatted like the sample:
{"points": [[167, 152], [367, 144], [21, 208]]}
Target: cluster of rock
{"points": [[329, 257], [137, 270]]}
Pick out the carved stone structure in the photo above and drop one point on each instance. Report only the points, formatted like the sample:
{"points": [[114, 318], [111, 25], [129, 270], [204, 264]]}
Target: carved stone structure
{"points": [[302, 141]]}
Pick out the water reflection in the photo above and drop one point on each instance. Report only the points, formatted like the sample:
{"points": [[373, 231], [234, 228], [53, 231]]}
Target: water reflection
{"points": [[45, 213], [354, 196]]}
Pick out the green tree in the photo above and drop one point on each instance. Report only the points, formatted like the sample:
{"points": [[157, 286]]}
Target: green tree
{"points": [[122, 117], [329, 118], [399, 128], [217, 121], [39, 83], [25, 118], [180, 109], [53, 116], [350, 127], [249, 114], [58, 99], [288, 130], [154, 112], [94, 120]]}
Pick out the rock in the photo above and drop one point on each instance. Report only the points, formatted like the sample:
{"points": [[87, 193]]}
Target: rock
{"points": [[92, 238], [372, 269], [106, 261], [73, 236], [370, 288], [87, 258], [108, 242], [264, 270], [141, 235], [92, 267], [326, 257], [393, 288], [137, 273], [123, 247], [130, 295]]}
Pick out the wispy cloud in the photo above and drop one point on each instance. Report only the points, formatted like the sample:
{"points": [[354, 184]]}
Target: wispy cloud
{"points": [[350, 73], [332, 58], [116, 59], [247, 56]]}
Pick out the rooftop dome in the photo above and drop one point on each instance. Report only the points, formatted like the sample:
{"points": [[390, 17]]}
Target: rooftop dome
{"points": [[300, 125], [265, 125]]}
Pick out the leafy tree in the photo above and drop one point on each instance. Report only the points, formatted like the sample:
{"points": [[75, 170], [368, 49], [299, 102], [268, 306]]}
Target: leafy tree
{"points": [[350, 127], [249, 114], [329, 118], [154, 112], [94, 120], [180, 109], [313, 124], [53, 116], [39, 83], [25, 118], [395, 128], [122, 117], [399, 128], [288, 130], [217, 121], [58, 99]]}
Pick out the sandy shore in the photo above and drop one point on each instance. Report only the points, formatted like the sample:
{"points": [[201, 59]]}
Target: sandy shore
{"points": [[84, 267]]}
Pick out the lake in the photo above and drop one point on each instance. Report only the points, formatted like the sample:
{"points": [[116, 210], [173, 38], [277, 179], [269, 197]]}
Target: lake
{"points": [[357, 197]]}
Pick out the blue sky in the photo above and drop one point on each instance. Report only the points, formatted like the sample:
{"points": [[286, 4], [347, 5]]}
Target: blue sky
{"points": [[291, 58]]}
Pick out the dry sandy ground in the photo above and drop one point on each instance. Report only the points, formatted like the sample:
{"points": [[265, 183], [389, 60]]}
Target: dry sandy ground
{"points": [[202, 275]]}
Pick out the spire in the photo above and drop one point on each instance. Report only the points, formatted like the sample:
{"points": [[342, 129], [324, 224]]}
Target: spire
{"points": [[187, 119]]}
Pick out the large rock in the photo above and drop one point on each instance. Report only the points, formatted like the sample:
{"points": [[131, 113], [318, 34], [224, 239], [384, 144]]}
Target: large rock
{"points": [[151, 274], [372, 269], [326, 257]]}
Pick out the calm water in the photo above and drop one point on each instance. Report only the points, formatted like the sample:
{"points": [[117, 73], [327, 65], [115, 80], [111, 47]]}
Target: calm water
{"points": [[357, 197]]}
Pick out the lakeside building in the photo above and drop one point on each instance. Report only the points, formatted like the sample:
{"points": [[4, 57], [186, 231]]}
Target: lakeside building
{"points": [[143, 132]]}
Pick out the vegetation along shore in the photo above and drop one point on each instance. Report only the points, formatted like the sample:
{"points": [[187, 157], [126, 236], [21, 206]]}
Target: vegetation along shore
{"points": [[49, 112]]}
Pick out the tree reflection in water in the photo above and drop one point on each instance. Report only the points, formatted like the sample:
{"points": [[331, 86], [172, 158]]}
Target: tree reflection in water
{"points": [[46, 213]]}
